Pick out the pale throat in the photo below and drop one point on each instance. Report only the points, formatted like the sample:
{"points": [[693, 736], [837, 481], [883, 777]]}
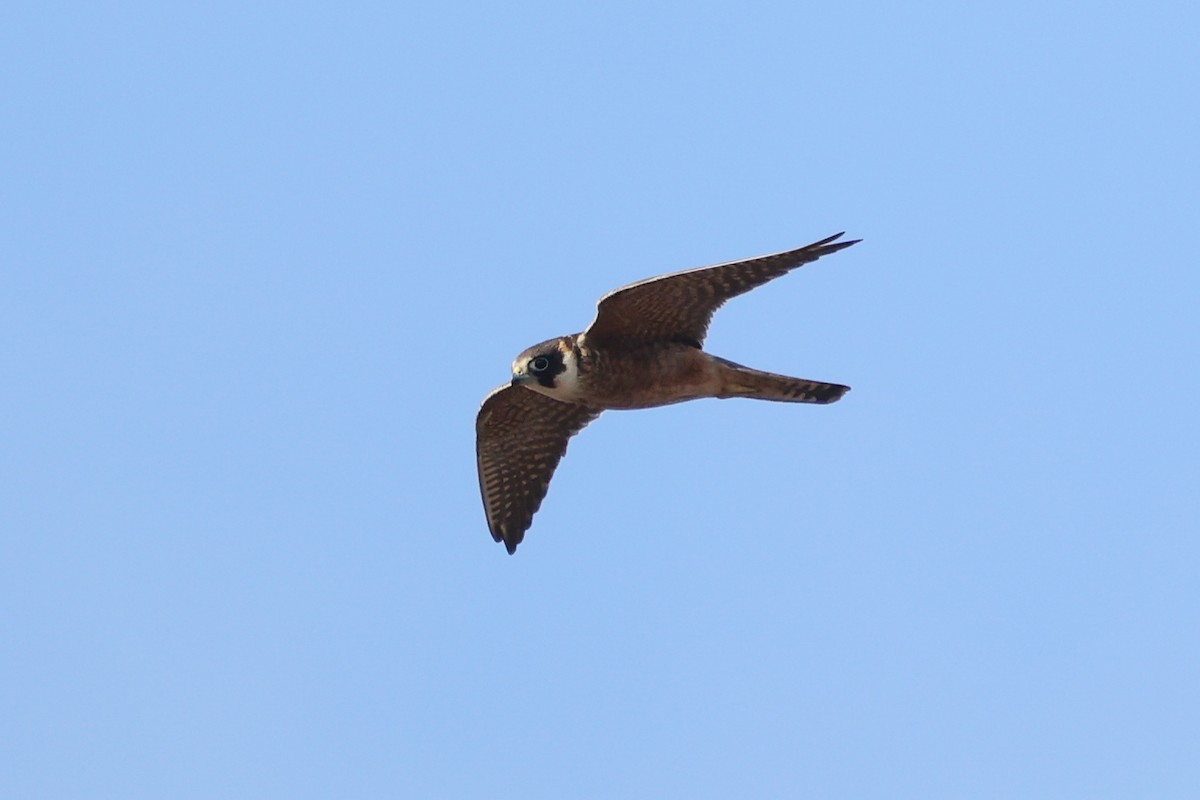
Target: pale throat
{"points": [[566, 383]]}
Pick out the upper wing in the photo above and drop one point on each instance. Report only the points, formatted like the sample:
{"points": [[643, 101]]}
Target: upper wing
{"points": [[679, 306], [520, 436]]}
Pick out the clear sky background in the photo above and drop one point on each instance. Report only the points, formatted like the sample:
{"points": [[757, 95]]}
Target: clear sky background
{"points": [[260, 266]]}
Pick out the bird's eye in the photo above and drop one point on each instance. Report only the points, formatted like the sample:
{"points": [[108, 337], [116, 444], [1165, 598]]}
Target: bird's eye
{"points": [[539, 364]]}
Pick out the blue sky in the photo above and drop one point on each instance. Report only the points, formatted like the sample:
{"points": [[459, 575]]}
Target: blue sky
{"points": [[260, 266]]}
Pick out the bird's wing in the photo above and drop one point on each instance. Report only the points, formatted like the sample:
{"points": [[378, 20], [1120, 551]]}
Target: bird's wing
{"points": [[679, 306], [520, 436]]}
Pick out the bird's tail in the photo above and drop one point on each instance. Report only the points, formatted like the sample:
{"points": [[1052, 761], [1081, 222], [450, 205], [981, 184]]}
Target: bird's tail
{"points": [[739, 381]]}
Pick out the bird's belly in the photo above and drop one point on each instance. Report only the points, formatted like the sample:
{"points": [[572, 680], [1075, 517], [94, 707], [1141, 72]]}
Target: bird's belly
{"points": [[655, 378]]}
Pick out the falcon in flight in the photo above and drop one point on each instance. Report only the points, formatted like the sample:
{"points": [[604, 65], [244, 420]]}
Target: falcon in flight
{"points": [[643, 349]]}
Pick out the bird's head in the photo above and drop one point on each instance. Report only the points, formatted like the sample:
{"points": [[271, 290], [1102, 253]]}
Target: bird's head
{"points": [[549, 367]]}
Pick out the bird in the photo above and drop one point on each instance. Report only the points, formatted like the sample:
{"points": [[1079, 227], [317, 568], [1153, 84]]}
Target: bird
{"points": [[643, 349]]}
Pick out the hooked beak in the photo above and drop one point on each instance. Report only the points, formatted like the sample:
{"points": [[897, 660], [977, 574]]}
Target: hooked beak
{"points": [[524, 377]]}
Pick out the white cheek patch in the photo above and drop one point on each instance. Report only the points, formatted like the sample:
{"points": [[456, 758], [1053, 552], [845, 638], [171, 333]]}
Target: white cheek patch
{"points": [[566, 383]]}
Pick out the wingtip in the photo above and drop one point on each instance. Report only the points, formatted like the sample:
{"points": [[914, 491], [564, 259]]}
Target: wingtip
{"points": [[829, 240], [500, 536], [830, 245], [828, 393]]}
